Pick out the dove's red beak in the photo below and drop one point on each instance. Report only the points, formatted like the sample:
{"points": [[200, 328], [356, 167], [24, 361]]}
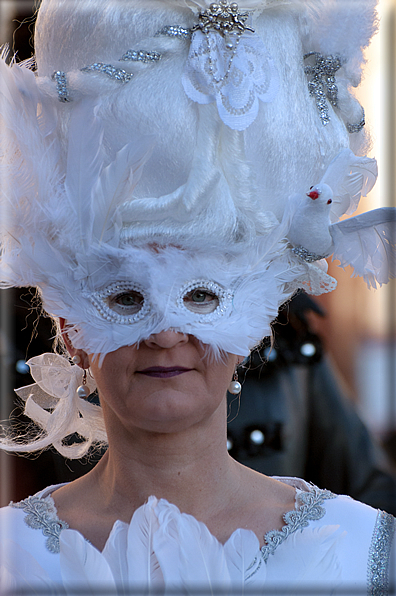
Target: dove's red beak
{"points": [[313, 194]]}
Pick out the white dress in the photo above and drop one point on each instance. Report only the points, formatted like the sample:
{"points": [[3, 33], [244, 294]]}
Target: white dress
{"points": [[329, 545]]}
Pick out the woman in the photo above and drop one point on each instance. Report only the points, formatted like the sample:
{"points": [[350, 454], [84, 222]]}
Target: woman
{"points": [[162, 205]]}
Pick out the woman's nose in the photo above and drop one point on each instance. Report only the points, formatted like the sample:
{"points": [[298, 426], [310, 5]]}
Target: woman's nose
{"points": [[166, 339]]}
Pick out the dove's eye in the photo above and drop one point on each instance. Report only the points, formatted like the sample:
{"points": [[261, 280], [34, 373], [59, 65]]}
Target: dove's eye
{"points": [[329, 201], [311, 187]]}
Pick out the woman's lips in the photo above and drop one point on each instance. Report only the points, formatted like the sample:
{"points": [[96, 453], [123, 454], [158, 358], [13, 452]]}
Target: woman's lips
{"points": [[164, 372]]}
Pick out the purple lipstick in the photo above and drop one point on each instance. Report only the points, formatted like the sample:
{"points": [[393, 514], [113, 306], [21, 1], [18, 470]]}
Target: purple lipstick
{"points": [[164, 372]]}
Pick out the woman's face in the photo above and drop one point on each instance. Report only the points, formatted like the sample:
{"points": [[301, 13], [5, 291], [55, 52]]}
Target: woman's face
{"points": [[167, 384]]}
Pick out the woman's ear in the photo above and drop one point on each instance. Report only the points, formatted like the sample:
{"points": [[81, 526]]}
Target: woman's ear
{"points": [[78, 356]]}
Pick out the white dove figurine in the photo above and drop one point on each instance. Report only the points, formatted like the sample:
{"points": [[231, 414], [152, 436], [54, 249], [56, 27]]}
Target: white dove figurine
{"points": [[367, 242]]}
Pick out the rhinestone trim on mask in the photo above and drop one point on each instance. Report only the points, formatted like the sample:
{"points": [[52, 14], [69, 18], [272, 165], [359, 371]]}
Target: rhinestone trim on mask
{"points": [[98, 299]]}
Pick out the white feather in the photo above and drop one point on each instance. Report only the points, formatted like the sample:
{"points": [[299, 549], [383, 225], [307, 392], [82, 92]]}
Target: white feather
{"points": [[181, 540], [143, 566], [349, 177], [84, 164], [367, 242], [115, 184], [311, 559], [241, 550], [83, 567], [20, 573]]}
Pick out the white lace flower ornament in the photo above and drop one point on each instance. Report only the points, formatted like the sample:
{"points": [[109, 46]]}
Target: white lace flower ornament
{"points": [[228, 63], [52, 402]]}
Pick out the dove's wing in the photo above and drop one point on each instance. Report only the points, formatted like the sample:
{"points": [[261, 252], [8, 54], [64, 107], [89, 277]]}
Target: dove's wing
{"points": [[349, 177], [367, 242]]}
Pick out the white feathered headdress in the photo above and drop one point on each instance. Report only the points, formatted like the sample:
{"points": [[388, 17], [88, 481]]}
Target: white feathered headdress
{"points": [[157, 162]]}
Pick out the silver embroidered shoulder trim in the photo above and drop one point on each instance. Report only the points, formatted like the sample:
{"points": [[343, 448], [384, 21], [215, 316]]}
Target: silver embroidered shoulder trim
{"points": [[379, 555], [41, 515], [308, 508]]}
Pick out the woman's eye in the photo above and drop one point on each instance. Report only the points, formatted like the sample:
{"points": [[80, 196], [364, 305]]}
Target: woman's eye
{"points": [[201, 300], [128, 302]]}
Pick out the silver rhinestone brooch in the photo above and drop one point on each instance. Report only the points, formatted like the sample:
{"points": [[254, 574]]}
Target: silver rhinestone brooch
{"points": [[223, 17]]}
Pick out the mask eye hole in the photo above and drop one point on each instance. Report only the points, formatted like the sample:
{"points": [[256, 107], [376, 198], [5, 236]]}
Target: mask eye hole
{"points": [[205, 299], [121, 302], [128, 302], [201, 300]]}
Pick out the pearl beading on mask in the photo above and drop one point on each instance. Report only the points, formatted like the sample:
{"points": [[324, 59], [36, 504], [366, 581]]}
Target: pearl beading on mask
{"points": [[322, 84], [99, 300], [61, 85], [225, 299], [112, 72], [140, 56]]}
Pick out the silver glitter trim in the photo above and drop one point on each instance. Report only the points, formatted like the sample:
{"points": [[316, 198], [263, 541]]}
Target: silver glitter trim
{"points": [[140, 56], [100, 301], [225, 299], [357, 127], [322, 82], [379, 555], [61, 85], [305, 255], [223, 17], [41, 515], [174, 31], [112, 72], [308, 508]]}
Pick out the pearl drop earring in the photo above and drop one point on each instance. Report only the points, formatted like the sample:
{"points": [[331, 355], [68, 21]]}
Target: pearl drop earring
{"points": [[82, 390], [235, 387], [76, 359]]}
